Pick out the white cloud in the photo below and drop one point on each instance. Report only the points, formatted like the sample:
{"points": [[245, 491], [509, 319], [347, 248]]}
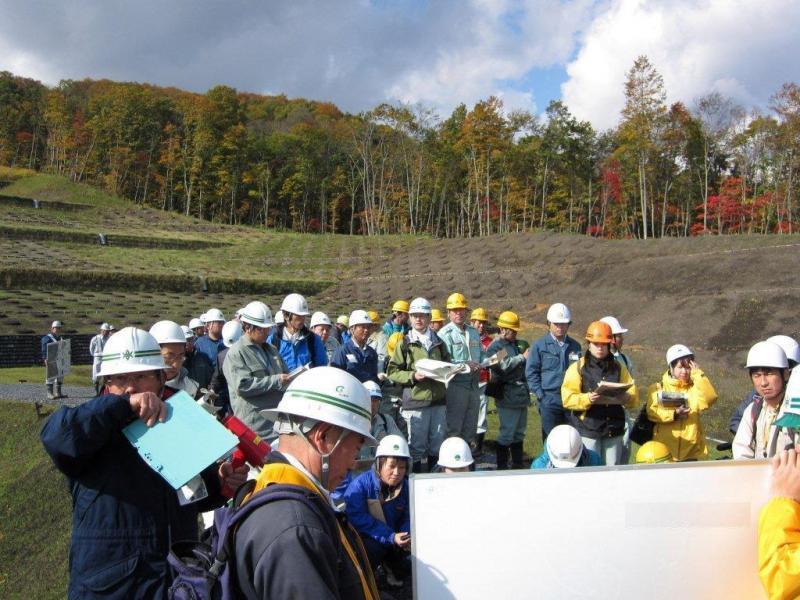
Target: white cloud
{"points": [[740, 48]]}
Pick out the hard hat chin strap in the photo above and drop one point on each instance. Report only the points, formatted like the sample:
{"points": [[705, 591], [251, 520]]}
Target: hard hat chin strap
{"points": [[324, 457]]}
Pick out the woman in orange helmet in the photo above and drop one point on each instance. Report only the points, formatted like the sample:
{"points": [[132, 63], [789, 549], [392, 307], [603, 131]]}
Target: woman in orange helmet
{"points": [[599, 419]]}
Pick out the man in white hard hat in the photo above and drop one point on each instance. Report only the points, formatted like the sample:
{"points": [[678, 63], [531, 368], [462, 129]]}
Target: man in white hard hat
{"points": [[618, 335], [296, 546], [125, 515], [792, 350], [96, 345], [759, 435], [565, 449], [296, 343], [355, 356], [198, 327], [322, 326], [172, 340], [53, 383], [548, 360], [210, 344], [255, 372]]}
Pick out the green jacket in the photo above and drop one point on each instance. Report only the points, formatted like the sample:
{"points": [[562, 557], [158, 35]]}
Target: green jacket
{"points": [[511, 372], [252, 373], [460, 352], [401, 371]]}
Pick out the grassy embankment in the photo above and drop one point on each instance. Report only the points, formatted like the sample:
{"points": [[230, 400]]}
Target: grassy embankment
{"points": [[34, 511]]}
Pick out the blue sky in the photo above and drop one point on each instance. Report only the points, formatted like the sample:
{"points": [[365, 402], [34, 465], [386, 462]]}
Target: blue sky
{"points": [[438, 53]]}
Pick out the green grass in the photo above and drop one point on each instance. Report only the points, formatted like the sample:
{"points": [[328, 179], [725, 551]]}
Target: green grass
{"points": [[34, 510], [78, 375]]}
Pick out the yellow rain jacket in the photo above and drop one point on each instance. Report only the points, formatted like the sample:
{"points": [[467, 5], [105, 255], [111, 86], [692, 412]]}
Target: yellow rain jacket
{"points": [[779, 548], [684, 438]]}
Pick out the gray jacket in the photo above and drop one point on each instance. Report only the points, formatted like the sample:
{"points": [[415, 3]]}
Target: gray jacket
{"points": [[510, 371], [252, 372], [182, 381]]}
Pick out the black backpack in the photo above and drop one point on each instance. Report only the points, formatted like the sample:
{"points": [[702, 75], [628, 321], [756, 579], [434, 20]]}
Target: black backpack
{"points": [[202, 570]]}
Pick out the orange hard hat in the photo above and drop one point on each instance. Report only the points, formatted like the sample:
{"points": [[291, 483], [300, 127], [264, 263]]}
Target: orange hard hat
{"points": [[599, 333]]}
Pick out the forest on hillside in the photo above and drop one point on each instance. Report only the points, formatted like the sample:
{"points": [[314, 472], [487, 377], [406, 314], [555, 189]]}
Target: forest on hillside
{"points": [[707, 166]]}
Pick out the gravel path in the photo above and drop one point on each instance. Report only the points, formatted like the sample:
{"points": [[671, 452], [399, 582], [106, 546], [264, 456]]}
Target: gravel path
{"points": [[37, 392]]}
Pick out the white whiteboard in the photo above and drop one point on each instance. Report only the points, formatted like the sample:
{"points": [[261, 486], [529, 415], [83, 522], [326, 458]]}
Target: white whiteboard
{"points": [[657, 531]]}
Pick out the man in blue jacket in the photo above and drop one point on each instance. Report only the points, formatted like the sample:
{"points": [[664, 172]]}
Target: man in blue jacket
{"points": [[547, 362], [355, 356], [125, 516], [296, 343], [211, 344]]}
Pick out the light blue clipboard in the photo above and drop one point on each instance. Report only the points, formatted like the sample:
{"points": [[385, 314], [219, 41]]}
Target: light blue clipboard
{"points": [[188, 441]]}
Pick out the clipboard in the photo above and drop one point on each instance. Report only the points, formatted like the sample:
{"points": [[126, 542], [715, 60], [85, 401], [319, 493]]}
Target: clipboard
{"points": [[187, 442]]}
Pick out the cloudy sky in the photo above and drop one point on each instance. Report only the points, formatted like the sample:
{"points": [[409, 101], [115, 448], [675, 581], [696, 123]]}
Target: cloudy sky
{"points": [[360, 53]]}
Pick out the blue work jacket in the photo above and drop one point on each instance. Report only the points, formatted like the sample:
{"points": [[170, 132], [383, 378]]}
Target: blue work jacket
{"points": [[546, 365], [367, 487], [209, 348], [297, 354], [125, 516], [361, 364]]}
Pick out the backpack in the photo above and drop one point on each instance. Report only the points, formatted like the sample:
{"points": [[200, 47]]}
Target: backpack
{"points": [[201, 569], [642, 428]]}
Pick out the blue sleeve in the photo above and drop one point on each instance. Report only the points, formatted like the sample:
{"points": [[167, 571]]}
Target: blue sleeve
{"points": [[594, 459], [533, 372], [339, 359], [43, 343], [541, 461], [320, 356], [358, 513], [72, 435]]}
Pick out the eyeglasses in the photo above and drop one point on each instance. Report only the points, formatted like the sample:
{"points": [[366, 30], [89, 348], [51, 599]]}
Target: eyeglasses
{"points": [[169, 357], [126, 379]]}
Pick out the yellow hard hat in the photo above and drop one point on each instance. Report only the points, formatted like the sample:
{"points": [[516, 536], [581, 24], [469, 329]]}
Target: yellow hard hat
{"points": [[456, 301], [479, 314], [653, 452], [400, 306], [343, 320], [436, 316], [393, 340], [373, 314], [508, 320]]}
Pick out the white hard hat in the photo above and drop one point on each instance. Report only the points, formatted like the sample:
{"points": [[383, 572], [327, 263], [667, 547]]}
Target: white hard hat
{"points": [[329, 395], [616, 327], [789, 345], [295, 304], [454, 453], [203, 318], [393, 445], [168, 332], [231, 332], [320, 318], [214, 314], [559, 313], [105, 327], [279, 317], [359, 317], [564, 446], [187, 331], [195, 323], [131, 350], [767, 354], [419, 306], [56, 324], [257, 313], [373, 388], [677, 351]]}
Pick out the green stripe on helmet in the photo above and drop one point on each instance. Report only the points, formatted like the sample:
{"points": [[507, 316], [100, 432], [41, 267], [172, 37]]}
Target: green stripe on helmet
{"points": [[252, 318], [337, 402], [129, 354]]}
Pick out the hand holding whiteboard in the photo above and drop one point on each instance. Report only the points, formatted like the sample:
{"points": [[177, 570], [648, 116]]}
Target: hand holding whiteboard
{"points": [[188, 441]]}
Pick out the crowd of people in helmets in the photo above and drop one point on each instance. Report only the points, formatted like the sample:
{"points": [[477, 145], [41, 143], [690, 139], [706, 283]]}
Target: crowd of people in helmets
{"points": [[349, 416]]}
